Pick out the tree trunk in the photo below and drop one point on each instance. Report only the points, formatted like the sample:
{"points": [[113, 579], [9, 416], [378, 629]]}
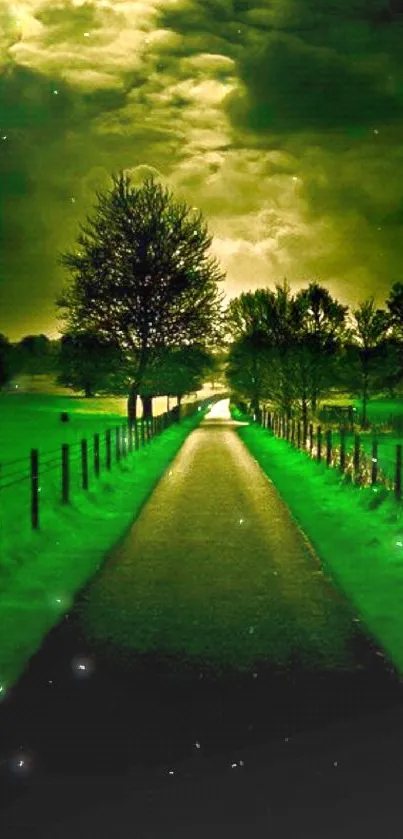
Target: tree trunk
{"points": [[364, 402], [132, 404], [134, 388], [168, 402], [147, 402], [88, 391]]}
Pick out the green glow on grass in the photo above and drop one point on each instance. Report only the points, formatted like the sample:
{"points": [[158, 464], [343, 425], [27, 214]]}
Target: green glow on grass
{"points": [[41, 571], [354, 540]]}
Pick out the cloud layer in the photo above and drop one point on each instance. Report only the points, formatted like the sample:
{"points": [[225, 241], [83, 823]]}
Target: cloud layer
{"points": [[280, 119]]}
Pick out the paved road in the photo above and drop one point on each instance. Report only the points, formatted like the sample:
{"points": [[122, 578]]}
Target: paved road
{"points": [[282, 743], [215, 568]]}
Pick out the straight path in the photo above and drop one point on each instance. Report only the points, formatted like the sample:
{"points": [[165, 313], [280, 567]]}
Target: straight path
{"points": [[215, 569]]}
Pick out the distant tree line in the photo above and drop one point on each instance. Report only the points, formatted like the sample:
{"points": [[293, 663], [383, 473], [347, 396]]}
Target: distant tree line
{"points": [[293, 350]]}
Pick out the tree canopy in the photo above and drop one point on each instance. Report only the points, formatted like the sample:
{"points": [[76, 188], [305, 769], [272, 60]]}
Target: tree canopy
{"points": [[143, 277]]}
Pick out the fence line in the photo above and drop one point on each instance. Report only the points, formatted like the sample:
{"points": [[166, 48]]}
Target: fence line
{"points": [[125, 440], [357, 464]]}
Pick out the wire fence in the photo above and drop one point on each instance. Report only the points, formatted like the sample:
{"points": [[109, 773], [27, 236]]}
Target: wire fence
{"points": [[80, 463], [356, 458]]}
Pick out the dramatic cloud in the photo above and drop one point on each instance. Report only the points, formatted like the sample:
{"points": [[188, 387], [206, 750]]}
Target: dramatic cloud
{"points": [[280, 119]]}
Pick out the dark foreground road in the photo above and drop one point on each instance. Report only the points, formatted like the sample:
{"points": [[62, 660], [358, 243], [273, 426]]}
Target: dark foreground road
{"points": [[209, 681]]}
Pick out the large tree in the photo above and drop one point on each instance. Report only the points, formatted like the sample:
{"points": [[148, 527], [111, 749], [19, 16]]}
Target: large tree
{"points": [[261, 360], [321, 329], [143, 277], [369, 330]]}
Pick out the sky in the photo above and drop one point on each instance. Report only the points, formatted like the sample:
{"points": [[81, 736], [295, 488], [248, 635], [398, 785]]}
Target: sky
{"points": [[281, 120]]}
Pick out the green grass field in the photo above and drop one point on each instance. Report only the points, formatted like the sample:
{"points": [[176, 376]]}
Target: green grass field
{"points": [[357, 532], [40, 571]]}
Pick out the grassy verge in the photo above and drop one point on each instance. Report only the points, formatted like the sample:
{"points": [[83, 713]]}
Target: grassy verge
{"points": [[40, 577], [357, 532]]}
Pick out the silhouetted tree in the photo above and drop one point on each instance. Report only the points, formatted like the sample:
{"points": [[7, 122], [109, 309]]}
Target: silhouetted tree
{"points": [[320, 335], [176, 372], [88, 362], [35, 355], [369, 329], [7, 360], [143, 278]]}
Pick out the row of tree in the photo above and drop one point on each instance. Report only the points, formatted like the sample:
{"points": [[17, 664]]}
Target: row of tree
{"points": [[293, 349], [85, 362], [142, 314]]}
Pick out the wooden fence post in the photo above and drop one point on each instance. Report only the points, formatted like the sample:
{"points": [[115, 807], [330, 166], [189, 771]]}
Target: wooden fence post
{"points": [[374, 465], [329, 447], [84, 464], [35, 489], [96, 454], [342, 449], [398, 473], [123, 441], [65, 473], [108, 450], [319, 443]]}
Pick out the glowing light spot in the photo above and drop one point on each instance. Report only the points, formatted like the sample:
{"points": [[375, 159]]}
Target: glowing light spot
{"points": [[399, 544], [56, 92], [197, 745], [86, 34], [240, 521]]}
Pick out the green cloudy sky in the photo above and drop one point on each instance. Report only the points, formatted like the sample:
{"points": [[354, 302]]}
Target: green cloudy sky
{"points": [[280, 119]]}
